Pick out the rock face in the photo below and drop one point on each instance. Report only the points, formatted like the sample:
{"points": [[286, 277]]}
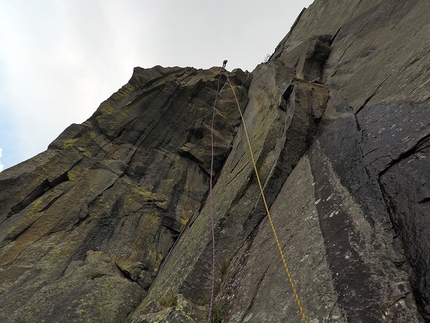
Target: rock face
{"points": [[113, 222]]}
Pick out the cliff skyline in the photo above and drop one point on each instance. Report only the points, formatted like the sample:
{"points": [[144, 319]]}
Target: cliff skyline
{"points": [[71, 55], [152, 210]]}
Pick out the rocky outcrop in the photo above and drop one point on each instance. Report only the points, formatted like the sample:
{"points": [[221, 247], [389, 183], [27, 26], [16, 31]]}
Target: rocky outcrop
{"points": [[87, 223], [113, 223]]}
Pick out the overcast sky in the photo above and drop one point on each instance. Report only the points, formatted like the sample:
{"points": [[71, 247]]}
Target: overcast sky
{"points": [[59, 59]]}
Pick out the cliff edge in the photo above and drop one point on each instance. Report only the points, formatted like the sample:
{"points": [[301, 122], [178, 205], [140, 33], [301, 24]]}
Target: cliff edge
{"points": [[112, 223]]}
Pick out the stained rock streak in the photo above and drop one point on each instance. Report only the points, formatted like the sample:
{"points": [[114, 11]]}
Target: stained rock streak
{"points": [[112, 222]]}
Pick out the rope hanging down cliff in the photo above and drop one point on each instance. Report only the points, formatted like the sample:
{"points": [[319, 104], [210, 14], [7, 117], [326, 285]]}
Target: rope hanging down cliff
{"points": [[296, 295], [211, 201]]}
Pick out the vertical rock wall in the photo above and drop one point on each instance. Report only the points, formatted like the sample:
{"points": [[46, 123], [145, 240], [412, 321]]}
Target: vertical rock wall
{"points": [[112, 222], [86, 224]]}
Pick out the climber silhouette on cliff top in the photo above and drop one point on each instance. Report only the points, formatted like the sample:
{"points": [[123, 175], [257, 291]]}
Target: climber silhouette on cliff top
{"points": [[224, 63]]}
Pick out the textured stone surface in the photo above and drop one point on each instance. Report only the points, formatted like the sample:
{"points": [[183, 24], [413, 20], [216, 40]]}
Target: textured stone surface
{"points": [[88, 222], [112, 222]]}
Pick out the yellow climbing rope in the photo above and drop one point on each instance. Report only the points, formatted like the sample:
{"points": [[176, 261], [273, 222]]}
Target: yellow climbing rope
{"points": [[290, 278]]}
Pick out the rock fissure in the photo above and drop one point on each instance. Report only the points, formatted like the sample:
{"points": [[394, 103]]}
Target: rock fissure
{"points": [[112, 222], [45, 186], [254, 295], [406, 154]]}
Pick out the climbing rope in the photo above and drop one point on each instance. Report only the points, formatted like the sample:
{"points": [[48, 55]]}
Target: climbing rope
{"points": [[290, 278], [211, 205]]}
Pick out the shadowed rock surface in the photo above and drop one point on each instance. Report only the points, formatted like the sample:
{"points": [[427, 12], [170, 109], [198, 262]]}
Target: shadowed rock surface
{"points": [[112, 222]]}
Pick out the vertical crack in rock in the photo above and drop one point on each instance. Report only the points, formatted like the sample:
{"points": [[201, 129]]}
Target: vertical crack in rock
{"points": [[353, 246], [111, 223], [281, 125], [254, 295], [405, 186], [127, 197]]}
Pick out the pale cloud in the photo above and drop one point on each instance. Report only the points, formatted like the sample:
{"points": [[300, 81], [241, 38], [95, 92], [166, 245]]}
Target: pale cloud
{"points": [[60, 59]]}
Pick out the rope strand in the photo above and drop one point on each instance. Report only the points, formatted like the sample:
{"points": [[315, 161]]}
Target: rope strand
{"points": [[296, 295], [293, 287], [211, 206]]}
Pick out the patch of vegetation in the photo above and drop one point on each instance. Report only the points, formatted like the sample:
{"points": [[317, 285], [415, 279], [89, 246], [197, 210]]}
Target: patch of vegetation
{"points": [[217, 314], [168, 301], [95, 274], [202, 302], [69, 142], [129, 320], [218, 287], [222, 268]]}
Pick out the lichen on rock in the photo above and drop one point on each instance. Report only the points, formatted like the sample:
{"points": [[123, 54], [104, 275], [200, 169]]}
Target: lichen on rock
{"points": [[112, 223]]}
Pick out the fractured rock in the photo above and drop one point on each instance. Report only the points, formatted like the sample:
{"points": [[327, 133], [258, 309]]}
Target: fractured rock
{"points": [[113, 222]]}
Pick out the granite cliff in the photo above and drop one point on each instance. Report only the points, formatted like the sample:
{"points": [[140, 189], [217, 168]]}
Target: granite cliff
{"points": [[112, 222]]}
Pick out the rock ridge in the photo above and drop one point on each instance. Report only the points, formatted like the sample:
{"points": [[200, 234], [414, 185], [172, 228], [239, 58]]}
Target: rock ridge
{"points": [[112, 222]]}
